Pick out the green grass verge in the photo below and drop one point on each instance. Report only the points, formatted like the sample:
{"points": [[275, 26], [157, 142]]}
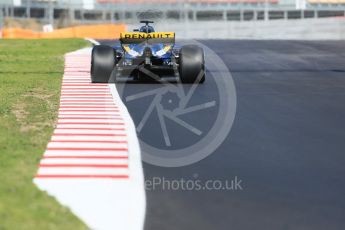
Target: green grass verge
{"points": [[30, 80]]}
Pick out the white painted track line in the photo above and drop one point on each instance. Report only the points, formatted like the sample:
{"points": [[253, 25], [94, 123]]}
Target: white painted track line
{"points": [[92, 163]]}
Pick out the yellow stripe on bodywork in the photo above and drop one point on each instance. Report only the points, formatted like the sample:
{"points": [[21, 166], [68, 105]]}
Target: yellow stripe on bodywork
{"points": [[167, 48], [127, 49], [130, 51], [140, 35]]}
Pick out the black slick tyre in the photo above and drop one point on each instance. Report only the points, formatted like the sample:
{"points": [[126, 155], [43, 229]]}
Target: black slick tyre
{"points": [[102, 63], [192, 64]]}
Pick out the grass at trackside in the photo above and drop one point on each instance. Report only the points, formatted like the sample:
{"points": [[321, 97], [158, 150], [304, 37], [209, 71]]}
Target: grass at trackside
{"points": [[30, 78]]}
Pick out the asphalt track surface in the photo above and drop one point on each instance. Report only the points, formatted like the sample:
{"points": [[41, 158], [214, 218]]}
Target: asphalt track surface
{"points": [[287, 143]]}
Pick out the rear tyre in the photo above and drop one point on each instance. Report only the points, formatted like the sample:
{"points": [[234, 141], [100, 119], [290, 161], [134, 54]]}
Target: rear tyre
{"points": [[102, 63], [192, 64]]}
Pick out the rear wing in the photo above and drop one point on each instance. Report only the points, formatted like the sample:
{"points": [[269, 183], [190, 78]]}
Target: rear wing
{"points": [[151, 38]]}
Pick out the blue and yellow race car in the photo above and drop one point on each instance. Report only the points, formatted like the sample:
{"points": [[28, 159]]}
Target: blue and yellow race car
{"points": [[147, 55]]}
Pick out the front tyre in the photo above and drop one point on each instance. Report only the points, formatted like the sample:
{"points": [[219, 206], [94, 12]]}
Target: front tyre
{"points": [[102, 63], [192, 64]]}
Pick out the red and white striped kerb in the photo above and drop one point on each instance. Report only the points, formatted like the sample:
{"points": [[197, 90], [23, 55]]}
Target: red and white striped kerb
{"points": [[89, 140]]}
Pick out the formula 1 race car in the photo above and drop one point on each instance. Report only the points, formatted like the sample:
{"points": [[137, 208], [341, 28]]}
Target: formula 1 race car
{"points": [[146, 54]]}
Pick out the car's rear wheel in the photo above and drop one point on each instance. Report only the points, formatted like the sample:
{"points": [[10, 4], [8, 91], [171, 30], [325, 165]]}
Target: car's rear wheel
{"points": [[103, 61], [192, 64]]}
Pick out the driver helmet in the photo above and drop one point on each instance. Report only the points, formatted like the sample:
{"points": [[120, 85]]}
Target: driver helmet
{"points": [[147, 29]]}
